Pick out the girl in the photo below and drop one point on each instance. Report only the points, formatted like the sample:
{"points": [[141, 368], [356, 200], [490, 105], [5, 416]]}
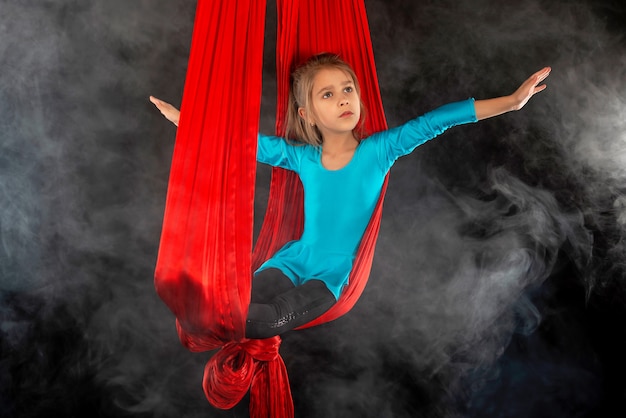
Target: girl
{"points": [[342, 174]]}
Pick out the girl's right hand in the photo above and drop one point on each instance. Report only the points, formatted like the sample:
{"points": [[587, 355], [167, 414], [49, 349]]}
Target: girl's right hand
{"points": [[170, 112], [530, 87]]}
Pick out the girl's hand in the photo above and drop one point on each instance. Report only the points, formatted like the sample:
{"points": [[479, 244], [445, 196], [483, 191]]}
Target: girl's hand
{"points": [[170, 112], [530, 87], [499, 105]]}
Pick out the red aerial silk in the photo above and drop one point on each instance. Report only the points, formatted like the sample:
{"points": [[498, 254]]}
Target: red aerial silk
{"points": [[205, 261]]}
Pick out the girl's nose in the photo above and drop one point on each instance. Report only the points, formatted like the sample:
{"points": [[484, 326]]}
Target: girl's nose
{"points": [[343, 101]]}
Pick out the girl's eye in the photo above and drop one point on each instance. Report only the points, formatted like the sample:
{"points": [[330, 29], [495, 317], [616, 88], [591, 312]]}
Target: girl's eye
{"points": [[327, 95], [348, 89]]}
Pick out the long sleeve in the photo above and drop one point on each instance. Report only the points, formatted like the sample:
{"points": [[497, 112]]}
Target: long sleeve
{"points": [[277, 152], [403, 139]]}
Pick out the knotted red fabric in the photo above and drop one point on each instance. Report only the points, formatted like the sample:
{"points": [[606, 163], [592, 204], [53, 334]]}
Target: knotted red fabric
{"points": [[205, 261]]}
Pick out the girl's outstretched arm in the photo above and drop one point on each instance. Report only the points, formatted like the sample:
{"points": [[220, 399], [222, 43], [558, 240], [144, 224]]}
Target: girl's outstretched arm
{"points": [[494, 107], [484, 108], [170, 112]]}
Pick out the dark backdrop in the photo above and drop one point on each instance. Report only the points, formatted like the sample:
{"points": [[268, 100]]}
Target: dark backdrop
{"points": [[498, 286]]}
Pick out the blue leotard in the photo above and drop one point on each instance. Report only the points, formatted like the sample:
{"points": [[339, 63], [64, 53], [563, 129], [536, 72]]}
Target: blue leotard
{"points": [[338, 204]]}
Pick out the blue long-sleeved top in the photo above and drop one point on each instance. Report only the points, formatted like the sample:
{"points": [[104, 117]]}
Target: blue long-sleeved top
{"points": [[338, 204]]}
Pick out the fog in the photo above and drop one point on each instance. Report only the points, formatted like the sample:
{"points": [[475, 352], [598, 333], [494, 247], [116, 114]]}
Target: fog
{"points": [[498, 284]]}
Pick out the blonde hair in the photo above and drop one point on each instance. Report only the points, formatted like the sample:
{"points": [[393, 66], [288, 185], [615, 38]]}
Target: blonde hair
{"points": [[301, 95]]}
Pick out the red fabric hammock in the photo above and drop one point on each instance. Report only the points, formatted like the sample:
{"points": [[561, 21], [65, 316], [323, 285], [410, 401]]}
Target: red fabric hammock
{"points": [[205, 261]]}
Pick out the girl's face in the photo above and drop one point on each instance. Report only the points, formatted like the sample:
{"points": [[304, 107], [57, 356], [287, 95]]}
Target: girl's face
{"points": [[335, 102]]}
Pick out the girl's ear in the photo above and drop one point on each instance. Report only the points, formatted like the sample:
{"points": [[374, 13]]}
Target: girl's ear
{"points": [[302, 113]]}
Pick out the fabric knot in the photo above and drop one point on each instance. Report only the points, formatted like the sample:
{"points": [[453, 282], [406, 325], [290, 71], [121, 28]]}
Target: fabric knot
{"points": [[227, 376], [231, 371], [263, 350]]}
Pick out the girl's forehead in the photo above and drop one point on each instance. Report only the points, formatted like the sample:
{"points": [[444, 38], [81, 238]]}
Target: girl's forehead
{"points": [[331, 76]]}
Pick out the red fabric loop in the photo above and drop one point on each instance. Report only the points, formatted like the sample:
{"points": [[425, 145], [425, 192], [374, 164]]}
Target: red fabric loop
{"points": [[250, 364], [228, 375]]}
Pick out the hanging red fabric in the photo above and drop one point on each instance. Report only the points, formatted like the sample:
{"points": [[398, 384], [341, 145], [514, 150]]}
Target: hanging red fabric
{"points": [[203, 266], [305, 28], [205, 263]]}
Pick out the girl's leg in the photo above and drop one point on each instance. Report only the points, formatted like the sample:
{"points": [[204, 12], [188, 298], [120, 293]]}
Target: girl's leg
{"points": [[268, 283], [289, 309]]}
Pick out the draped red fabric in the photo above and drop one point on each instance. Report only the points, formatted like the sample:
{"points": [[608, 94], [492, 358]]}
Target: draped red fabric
{"points": [[205, 261], [305, 28], [203, 266]]}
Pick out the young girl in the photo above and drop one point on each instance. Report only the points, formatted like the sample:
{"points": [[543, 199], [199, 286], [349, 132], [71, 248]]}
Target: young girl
{"points": [[342, 174]]}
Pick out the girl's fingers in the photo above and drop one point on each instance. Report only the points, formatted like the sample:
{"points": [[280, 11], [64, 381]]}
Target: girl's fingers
{"points": [[543, 74], [539, 76]]}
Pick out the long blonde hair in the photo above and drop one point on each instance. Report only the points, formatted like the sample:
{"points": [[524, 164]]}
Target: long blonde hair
{"points": [[301, 95]]}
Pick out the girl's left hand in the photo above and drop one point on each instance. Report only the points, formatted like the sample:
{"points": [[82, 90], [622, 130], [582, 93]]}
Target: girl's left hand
{"points": [[170, 112], [530, 87]]}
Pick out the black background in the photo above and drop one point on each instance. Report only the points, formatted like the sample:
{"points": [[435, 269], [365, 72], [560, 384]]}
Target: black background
{"points": [[498, 286]]}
